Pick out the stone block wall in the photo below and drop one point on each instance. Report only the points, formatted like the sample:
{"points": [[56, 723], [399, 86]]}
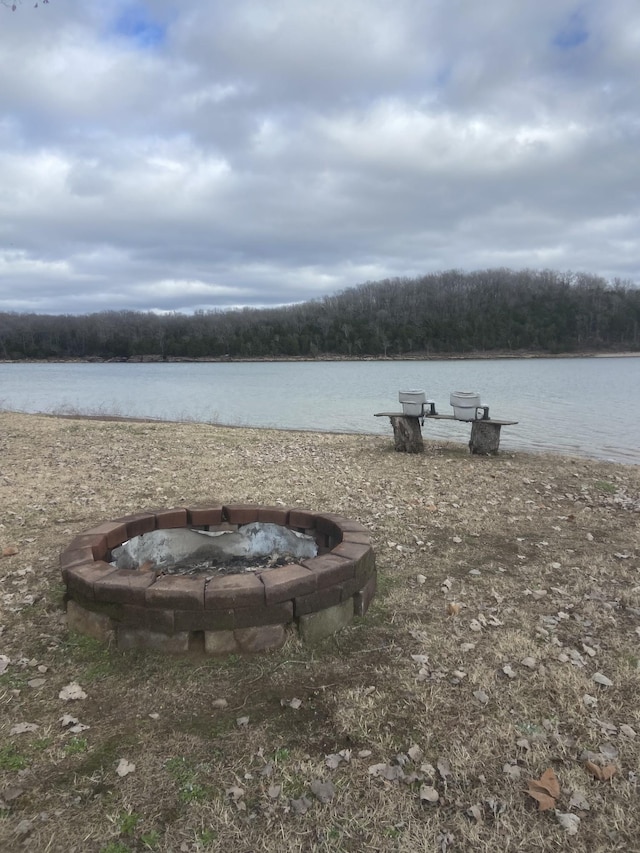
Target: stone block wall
{"points": [[236, 613]]}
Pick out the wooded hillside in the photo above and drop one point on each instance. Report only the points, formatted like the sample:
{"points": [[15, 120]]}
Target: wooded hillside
{"points": [[450, 312]]}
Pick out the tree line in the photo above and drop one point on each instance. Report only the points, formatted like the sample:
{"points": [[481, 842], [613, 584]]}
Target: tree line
{"points": [[453, 312]]}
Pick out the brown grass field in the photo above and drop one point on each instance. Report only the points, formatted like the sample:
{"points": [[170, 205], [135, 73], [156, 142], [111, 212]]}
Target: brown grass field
{"points": [[505, 586]]}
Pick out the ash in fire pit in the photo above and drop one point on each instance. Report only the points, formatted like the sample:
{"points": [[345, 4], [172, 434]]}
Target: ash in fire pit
{"points": [[253, 547], [233, 566]]}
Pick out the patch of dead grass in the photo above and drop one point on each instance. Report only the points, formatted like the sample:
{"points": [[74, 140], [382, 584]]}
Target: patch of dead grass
{"points": [[540, 555]]}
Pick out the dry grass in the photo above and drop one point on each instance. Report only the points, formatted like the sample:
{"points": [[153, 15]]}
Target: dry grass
{"points": [[539, 554]]}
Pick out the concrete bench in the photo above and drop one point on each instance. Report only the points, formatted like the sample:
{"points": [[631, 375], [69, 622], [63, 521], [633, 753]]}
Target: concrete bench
{"points": [[407, 435]]}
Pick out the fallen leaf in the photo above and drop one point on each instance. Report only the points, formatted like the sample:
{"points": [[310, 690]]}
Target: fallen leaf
{"points": [[242, 722], [589, 701], [392, 772], [512, 770], [8, 795], [579, 801], [601, 679], [234, 793], [9, 551], [475, 625], [481, 696], [125, 767], [496, 807], [428, 794], [627, 731], [274, 791], [444, 840], [529, 662], [4, 663], [323, 791], [453, 608], [545, 790], [609, 750], [602, 774], [36, 682], [475, 812], [509, 671], [444, 767], [22, 728], [300, 806], [72, 692], [422, 579], [219, 704], [415, 753], [24, 828], [569, 822], [291, 703], [333, 761], [544, 800], [421, 659]]}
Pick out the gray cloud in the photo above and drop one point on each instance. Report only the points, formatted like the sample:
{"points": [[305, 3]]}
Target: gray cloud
{"points": [[181, 155]]}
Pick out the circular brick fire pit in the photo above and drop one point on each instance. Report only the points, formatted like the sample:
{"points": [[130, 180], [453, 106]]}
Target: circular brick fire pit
{"points": [[142, 607]]}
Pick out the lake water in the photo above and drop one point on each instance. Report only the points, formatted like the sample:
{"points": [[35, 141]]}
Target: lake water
{"points": [[577, 406]]}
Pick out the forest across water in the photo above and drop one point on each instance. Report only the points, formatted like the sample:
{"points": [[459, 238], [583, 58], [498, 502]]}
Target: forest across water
{"points": [[489, 311]]}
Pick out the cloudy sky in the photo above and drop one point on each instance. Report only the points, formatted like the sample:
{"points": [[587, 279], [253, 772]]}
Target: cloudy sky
{"points": [[172, 155]]}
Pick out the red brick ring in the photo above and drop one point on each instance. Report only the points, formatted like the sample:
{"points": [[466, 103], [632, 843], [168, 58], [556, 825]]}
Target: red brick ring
{"points": [[242, 613]]}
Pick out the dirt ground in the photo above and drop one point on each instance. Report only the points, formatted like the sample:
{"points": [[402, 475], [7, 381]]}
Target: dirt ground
{"points": [[502, 648]]}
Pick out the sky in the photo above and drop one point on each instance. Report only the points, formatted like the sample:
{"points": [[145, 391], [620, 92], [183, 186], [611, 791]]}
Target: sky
{"points": [[180, 155]]}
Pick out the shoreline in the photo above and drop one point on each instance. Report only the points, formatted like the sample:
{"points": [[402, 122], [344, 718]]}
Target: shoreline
{"points": [[476, 356], [138, 419]]}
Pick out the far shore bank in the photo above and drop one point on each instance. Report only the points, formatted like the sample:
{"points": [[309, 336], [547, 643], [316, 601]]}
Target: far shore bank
{"points": [[474, 356]]}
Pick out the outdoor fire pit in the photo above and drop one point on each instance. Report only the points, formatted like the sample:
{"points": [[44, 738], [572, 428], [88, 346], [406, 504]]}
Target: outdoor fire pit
{"points": [[218, 579]]}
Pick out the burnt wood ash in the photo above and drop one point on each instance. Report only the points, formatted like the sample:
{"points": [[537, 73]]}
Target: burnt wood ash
{"points": [[229, 566]]}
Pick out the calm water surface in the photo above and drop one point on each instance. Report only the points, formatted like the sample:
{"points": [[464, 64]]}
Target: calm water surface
{"points": [[579, 406]]}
